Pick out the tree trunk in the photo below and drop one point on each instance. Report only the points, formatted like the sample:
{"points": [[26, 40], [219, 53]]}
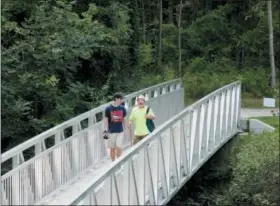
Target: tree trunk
{"points": [[179, 40], [136, 33], [170, 12], [160, 36], [271, 50], [144, 21]]}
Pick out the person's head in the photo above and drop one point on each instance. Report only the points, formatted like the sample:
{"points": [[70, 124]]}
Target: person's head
{"points": [[141, 101], [118, 98]]}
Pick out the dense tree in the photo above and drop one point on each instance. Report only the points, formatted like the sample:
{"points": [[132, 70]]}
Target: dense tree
{"points": [[63, 57], [271, 46]]}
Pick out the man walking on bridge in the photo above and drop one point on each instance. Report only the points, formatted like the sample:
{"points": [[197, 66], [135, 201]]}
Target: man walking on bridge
{"points": [[139, 115], [114, 123]]}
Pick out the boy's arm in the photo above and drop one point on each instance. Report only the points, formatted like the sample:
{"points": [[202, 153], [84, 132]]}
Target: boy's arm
{"points": [[125, 125], [106, 122]]}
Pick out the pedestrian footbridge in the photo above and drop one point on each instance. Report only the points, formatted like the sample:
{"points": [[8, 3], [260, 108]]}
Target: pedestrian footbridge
{"points": [[69, 164]]}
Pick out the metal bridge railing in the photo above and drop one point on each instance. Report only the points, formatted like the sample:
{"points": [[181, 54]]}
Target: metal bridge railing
{"points": [[155, 169], [30, 181]]}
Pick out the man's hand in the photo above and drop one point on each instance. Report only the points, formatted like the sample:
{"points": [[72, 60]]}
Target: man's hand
{"points": [[149, 116]]}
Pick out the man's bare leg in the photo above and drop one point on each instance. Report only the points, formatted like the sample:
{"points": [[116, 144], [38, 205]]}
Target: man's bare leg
{"points": [[119, 152], [112, 153]]}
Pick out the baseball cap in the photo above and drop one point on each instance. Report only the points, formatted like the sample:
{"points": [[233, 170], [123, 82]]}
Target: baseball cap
{"points": [[141, 97]]}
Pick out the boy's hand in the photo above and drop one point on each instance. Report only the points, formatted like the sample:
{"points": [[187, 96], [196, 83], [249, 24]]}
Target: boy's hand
{"points": [[105, 135]]}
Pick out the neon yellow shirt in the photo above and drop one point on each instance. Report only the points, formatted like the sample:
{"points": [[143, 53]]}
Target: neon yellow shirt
{"points": [[138, 116]]}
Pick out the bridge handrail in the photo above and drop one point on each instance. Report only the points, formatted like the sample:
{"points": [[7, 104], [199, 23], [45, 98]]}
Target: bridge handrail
{"points": [[39, 139], [157, 132]]}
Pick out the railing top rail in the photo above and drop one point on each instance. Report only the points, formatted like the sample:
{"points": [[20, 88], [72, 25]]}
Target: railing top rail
{"points": [[216, 92], [27, 144], [134, 150]]}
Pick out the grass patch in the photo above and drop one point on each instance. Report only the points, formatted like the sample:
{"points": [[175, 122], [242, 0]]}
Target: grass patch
{"points": [[254, 102], [272, 121], [189, 101]]}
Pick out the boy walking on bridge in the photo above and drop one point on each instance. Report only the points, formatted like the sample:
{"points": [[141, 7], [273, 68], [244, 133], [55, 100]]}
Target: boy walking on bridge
{"points": [[139, 116], [114, 123]]}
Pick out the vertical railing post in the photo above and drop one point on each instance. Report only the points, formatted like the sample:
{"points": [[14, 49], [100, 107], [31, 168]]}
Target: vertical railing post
{"points": [[200, 130], [17, 160], [205, 130], [90, 121], [224, 123], [218, 123], [210, 125], [75, 128], [239, 105], [232, 110], [184, 154], [229, 116]]}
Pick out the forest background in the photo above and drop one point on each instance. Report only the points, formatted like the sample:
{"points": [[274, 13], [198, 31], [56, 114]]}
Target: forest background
{"points": [[61, 58]]}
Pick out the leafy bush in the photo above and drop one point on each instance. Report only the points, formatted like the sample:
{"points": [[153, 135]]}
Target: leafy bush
{"points": [[197, 85], [256, 172], [150, 80], [207, 76], [256, 82]]}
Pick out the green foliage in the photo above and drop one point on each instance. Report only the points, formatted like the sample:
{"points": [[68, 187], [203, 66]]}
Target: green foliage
{"points": [[55, 62], [209, 34], [205, 82], [146, 57], [206, 77], [61, 58], [256, 173], [256, 82], [149, 80]]}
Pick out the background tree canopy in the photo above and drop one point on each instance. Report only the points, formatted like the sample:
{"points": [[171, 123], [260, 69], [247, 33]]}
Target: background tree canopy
{"points": [[63, 57]]}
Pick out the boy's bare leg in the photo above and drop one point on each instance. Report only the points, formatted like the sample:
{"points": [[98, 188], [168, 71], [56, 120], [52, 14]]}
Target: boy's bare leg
{"points": [[119, 152], [113, 153]]}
